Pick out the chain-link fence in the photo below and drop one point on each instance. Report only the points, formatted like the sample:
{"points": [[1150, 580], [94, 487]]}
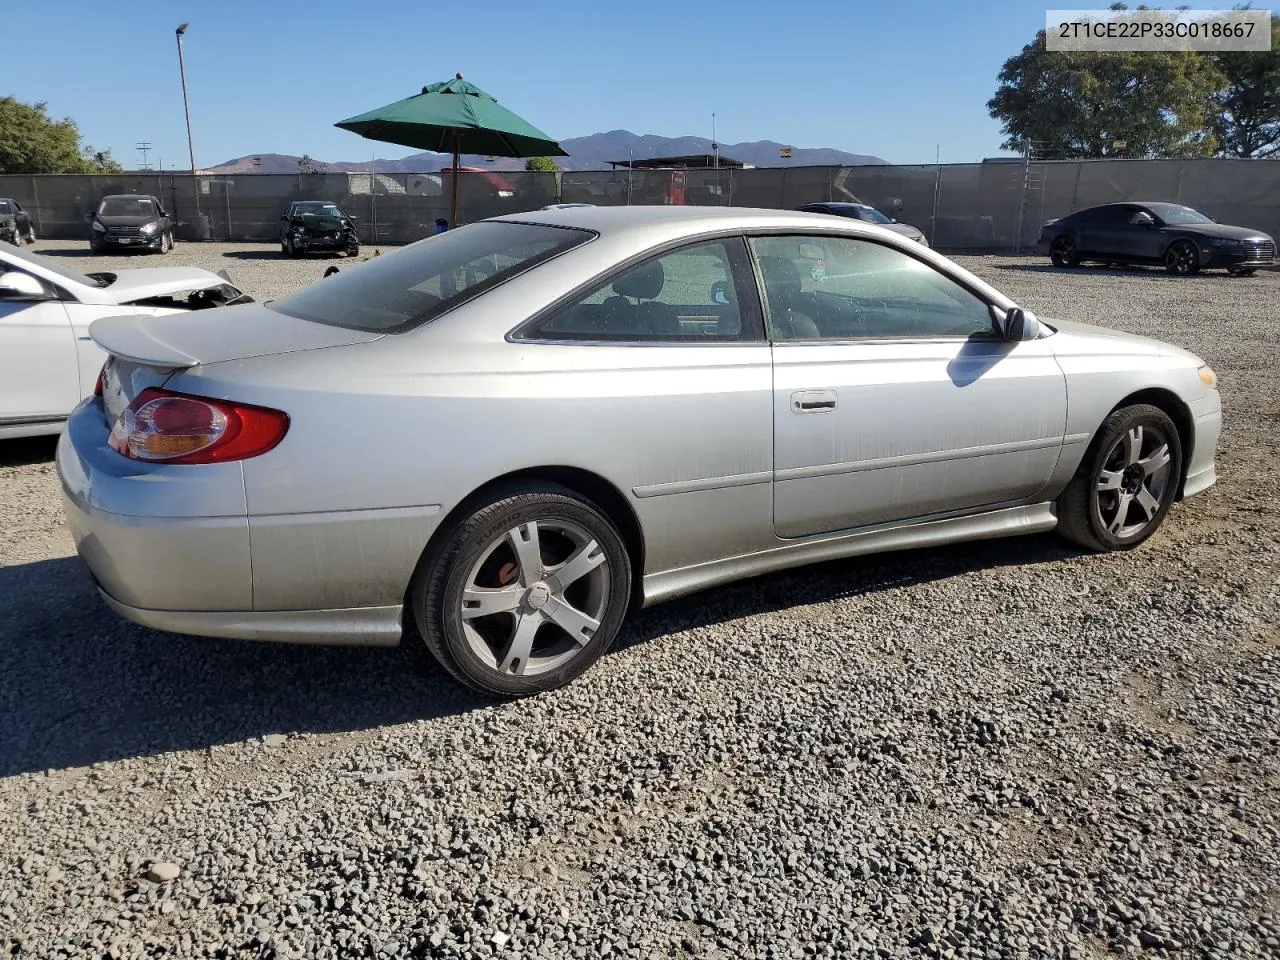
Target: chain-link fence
{"points": [[994, 206]]}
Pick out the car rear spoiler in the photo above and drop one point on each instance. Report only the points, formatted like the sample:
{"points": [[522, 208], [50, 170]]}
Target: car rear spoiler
{"points": [[132, 338]]}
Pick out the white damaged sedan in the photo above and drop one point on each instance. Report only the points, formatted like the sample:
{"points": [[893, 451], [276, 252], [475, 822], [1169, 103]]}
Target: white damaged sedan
{"points": [[48, 363]]}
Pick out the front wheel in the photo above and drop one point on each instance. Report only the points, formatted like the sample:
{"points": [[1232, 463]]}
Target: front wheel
{"points": [[524, 594], [31, 235], [353, 250], [1182, 258], [1126, 483], [1064, 253]]}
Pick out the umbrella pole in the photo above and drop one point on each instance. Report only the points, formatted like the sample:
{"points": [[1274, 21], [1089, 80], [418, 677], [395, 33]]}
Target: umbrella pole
{"points": [[453, 200]]}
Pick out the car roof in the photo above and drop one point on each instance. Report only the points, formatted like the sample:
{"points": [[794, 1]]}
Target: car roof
{"points": [[128, 196], [658, 223], [315, 203]]}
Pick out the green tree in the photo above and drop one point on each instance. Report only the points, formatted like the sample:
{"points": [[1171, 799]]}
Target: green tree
{"points": [[33, 143], [541, 165], [1070, 105], [1246, 120]]}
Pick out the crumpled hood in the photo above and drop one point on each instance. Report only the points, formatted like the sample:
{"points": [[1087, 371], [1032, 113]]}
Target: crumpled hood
{"points": [[130, 285]]}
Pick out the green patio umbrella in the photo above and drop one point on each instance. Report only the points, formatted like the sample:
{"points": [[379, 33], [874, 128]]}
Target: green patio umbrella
{"points": [[454, 117]]}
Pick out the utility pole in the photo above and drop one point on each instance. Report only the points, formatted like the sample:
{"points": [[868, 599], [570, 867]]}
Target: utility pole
{"points": [[186, 109], [1022, 196], [715, 147], [144, 147]]}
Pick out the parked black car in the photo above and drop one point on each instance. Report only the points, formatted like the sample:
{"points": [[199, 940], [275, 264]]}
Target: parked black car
{"points": [[130, 221], [317, 225], [15, 224], [1182, 239], [867, 214]]}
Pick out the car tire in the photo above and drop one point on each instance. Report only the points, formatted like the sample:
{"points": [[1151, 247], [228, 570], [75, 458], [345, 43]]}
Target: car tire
{"points": [[1182, 259], [165, 244], [1064, 253], [31, 235], [1126, 483], [353, 251], [542, 633]]}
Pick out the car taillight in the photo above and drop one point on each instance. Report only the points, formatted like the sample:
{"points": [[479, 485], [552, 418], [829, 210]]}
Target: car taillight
{"points": [[165, 427]]}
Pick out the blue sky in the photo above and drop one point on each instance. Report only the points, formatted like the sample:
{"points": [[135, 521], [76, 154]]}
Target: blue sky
{"points": [[888, 79]]}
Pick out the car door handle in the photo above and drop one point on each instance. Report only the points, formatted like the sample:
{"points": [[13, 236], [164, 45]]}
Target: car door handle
{"points": [[813, 401]]}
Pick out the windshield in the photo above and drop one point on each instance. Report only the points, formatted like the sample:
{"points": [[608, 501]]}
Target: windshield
{"points": [[874, 215], [20, 257], [401, 290], [314, 211], [1174, 213], [126, 207]]}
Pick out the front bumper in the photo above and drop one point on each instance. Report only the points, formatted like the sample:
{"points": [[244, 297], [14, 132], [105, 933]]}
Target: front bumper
{"points": [[1216, 257], [1206, 429], [320, 242], [115, 241]]}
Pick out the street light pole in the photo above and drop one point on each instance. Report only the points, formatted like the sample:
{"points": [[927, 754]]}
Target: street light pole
{"points": [[186, 109]]}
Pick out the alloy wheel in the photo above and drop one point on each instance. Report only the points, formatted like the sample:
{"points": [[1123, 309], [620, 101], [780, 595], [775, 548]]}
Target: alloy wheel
{"points": [[1134, 481], [1064, 252], [1182, 259], [535, 597]]}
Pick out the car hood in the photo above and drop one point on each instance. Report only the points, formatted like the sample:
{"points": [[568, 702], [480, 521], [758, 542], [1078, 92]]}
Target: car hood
{"points": [[130, 285], [1083, 338], [903, 228], [178, 340], [1219, 230], [127, 221]]}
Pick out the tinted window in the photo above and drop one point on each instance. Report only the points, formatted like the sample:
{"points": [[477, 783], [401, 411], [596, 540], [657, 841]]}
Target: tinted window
{"points": [[840, 288], [401, 290], [687, 294], [1175, 213]]}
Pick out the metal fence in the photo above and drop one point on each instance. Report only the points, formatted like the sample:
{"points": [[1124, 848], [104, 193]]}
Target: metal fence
{"points": [[996, 207]]}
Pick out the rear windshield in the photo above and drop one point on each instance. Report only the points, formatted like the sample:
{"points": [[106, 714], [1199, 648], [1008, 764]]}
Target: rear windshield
{"points": [[402, 290]]}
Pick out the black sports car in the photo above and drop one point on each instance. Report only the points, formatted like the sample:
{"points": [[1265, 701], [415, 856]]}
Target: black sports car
{"points": [[1182, 239], [317, 225], [15, 224]]}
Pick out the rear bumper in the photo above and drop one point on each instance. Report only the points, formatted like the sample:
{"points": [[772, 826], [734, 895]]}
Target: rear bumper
{"points": [[174, 548], [358, 626]]}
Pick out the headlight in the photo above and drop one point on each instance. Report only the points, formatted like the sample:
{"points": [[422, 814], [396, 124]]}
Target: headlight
{"points": [[150, 228], [99, 227], [1208, 377], [1223, 242]]}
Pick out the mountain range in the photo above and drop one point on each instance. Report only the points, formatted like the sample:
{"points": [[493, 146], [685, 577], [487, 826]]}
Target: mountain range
{"points": [[585, 153]]}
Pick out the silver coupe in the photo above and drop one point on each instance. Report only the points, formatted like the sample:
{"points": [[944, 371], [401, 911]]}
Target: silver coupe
{"points": [[508, 435]]}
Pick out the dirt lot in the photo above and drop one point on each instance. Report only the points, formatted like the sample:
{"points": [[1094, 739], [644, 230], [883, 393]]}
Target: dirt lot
{"points": [[1002, 750]]}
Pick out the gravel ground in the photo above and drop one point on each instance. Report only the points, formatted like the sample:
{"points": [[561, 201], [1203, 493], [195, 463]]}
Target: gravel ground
{"points": [[999, 750]]}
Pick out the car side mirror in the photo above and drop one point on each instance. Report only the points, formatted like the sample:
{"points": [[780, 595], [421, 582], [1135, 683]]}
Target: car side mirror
{"points": [[21, 286], [284, 219], [1144, 220], [89, 215], [352, 217], [1015, 324]]}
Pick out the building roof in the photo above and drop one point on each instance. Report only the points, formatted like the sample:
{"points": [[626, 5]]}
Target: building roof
{"points": [[696, 161]]}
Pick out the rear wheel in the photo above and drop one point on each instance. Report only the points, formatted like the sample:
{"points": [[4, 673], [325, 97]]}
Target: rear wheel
{"points": [[1182, 258], [1126, 483], [524, 594], [31, 235], [1064, 253]]}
